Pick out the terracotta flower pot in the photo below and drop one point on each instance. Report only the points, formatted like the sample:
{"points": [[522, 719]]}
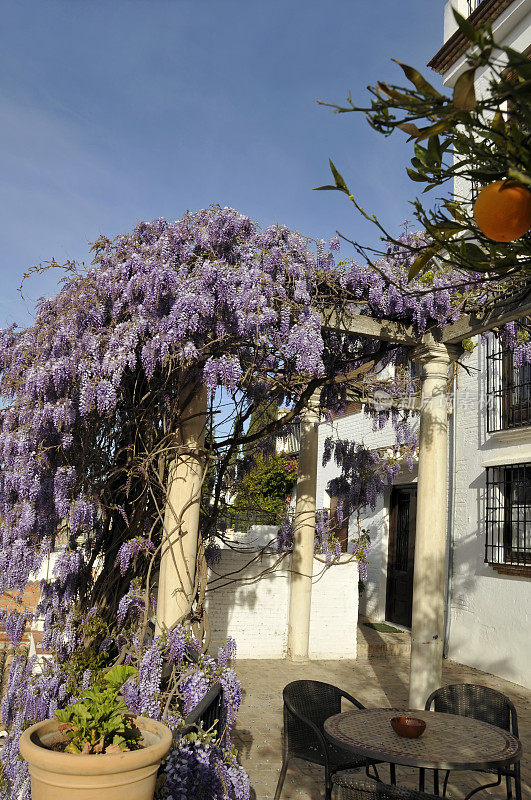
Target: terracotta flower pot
{"points": [[116, 776]]}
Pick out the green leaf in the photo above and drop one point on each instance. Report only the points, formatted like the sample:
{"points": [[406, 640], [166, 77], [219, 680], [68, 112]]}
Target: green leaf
{"points": [[434, 150], [422, 261], [466, 27], [519, 62], [474, 253], [445, 229], [394, 94], [464, 91], [326, 188], [419, 82], [415, 176], [340, 183], [119, 674], [411, 128], [421, 153], [498, 123], [521, 177], [454, 209], [78, 710], [432, 130], [486, 175]]}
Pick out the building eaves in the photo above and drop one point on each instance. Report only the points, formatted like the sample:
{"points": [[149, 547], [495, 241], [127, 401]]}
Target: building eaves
{"points": [[458, 44]]}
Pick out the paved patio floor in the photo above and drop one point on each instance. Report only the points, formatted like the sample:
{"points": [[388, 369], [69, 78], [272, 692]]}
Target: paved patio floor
{"points": [[375, 682]]}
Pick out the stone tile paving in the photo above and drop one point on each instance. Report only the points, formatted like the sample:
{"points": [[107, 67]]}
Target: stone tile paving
{"points": [[375, 682]]}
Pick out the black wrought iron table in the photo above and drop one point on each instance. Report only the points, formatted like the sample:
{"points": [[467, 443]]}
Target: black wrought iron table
{"points": [[450, 742]]}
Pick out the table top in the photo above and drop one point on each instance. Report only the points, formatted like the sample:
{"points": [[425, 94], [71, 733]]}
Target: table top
{"points": [[449, 741]]}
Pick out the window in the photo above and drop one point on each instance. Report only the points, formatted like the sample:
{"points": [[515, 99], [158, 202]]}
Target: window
{"points": [[472, 5], [508, 540], [508, 389]]}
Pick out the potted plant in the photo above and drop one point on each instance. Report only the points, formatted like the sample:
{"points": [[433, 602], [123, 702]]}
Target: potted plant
{"points": [[95, 749]]}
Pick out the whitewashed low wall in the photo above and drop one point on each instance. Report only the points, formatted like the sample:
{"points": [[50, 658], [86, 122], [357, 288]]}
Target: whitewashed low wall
{"points": [[334, 617], [254, 611]]}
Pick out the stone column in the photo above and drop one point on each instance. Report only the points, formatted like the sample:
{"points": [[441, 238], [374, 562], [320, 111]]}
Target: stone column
{"points": [[427, 627], [304, 535], [181, 516]]}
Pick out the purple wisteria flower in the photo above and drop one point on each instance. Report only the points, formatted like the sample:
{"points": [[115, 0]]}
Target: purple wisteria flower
{"points": [[129, 550]]}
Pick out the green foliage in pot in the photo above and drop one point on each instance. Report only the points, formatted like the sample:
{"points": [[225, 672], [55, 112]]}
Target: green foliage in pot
{"points": [[100, 722]]}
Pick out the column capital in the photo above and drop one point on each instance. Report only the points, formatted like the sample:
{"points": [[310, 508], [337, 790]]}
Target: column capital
{"points": [[432, 351]]}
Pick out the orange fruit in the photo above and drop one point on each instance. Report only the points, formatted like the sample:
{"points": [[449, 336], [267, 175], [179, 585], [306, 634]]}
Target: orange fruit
{"points": [[503, 211]]}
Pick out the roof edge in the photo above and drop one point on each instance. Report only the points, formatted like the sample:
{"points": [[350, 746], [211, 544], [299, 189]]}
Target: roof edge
{"points": [[458, 44]]}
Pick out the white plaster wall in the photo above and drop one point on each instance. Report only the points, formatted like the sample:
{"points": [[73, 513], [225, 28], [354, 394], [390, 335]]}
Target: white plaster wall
{"points": [[334, 616], [490, 624], [46, 569], [450, 25], [255, 611]]}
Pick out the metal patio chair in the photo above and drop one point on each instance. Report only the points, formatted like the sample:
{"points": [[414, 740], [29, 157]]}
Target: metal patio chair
{"points": [[349, 786], [486, 705], [307, 704]]}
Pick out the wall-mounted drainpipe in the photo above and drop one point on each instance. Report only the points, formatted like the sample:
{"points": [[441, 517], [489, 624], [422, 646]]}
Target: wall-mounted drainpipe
{"points": [[451, 518]]}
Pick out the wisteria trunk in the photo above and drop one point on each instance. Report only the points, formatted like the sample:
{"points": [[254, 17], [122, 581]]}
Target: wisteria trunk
{"points": [[181, 517]]}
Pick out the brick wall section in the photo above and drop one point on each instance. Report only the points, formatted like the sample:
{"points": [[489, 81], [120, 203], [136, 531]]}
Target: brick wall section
{"points": [[8, 602], [255, 612], [30, 599]]}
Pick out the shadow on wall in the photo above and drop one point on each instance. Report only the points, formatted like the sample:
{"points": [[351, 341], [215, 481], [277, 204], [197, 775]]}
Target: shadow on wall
{"points": [[240, 587], [248, 599]]}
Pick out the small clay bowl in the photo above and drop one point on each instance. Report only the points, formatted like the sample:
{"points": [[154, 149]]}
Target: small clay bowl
{"points": [[408, 727]]}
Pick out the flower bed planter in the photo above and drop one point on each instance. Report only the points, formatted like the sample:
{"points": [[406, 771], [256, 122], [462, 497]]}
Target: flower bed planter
{"points": [[129, 775]]}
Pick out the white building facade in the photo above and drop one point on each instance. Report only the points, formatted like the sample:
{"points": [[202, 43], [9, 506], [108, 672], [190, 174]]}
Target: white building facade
{"points": [[488, 609]]}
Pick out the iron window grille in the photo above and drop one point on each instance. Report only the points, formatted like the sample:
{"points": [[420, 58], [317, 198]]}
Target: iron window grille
{"points": [[472, 5], [508, 539], [508, 389]]}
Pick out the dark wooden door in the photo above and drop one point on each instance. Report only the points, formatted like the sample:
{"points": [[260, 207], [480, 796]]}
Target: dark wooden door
{"points": [[401, 556]]}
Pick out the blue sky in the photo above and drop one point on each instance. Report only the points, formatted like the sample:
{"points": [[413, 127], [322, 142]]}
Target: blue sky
{"points": [[116, 111]]}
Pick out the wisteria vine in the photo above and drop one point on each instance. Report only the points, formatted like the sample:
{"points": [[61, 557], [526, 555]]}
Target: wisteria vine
{"points": [[92, 396]]}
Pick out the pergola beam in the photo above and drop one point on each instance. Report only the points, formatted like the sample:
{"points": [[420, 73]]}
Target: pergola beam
{"points": [[359, 325], [473, 324], [467, 326]]}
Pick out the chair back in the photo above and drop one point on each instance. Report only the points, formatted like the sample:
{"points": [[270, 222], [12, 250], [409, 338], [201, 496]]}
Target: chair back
{"points": [[207, 713], [312, 700], [480, 702]]}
